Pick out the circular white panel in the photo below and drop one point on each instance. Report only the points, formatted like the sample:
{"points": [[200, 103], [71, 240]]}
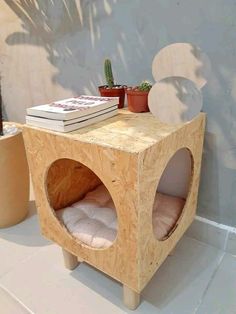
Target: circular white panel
{"points": [[175, 100], [184, 60]]}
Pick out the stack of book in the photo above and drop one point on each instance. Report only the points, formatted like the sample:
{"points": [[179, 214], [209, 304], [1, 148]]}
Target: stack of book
{"points": [[73, 113]]}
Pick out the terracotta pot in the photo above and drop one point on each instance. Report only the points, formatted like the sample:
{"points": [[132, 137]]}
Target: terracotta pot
{"points": [[116, 91], [14, 183], [137, 100]]}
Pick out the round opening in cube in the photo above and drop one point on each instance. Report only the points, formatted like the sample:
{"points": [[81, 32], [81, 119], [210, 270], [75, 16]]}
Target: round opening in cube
{"points": [[82, 203], [172, 193]]}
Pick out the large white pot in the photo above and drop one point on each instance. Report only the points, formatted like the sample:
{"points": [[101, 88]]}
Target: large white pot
{"points": [[14, 180]]}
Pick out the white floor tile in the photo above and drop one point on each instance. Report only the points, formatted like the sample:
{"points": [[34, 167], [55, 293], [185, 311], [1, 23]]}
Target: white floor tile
{"points": [[45, 286], [8, 305], [208, 233], [231, 243], [19, 242], [178, 285], [220, 297], [32, 269]]}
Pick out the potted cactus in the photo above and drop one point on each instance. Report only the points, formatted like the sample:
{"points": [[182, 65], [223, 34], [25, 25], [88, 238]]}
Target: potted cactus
{"points": [[138, 97], [14, 174], [111, 89]]}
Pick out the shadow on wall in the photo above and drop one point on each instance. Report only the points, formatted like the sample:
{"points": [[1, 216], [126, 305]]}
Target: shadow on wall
{"points": [[57, 26], [70, 30], [4, 114]]}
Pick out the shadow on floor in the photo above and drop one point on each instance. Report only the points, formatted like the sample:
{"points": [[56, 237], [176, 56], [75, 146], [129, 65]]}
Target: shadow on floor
{"points": [[182, 279], [27, 232]]}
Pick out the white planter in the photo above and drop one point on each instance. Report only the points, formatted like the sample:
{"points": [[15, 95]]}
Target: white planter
{"points": [[14, 180]]}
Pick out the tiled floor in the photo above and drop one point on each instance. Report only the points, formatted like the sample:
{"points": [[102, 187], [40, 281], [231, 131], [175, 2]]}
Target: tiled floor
{"points": [[198, 279]]}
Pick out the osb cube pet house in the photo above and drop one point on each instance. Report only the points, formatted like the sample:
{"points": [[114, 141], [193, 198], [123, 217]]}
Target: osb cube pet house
{"points": [[128, 154]]}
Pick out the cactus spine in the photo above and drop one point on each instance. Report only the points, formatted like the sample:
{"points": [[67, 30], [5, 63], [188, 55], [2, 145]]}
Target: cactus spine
{"points": [[108, 73]]}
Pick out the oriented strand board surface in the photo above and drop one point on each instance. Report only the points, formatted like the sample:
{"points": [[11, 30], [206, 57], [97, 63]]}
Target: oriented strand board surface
{"points": [[128, 153], [152, 252], [128, 132], [68, 181]]}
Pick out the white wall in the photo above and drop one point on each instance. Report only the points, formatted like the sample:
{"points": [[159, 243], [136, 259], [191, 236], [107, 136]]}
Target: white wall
{"points": [[54, 49]]}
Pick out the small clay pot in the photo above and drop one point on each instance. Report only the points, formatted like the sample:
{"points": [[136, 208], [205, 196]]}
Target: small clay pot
{"points": [[116, 91], [137, 100]]}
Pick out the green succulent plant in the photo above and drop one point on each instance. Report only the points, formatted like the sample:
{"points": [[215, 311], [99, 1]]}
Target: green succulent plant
{"points": [[145, 86], [108, 73]]}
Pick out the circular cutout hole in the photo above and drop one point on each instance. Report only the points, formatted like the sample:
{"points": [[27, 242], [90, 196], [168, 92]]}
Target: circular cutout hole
{"points": [[82, 203], [172, 193]]}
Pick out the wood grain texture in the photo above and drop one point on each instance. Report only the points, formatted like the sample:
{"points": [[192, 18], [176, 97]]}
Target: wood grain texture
{"points": [[128, 132], [175, 100], [70, 260], [130, 298], [152, 253], [184, 60], [128, 153], [67, 181], [14, 180]]}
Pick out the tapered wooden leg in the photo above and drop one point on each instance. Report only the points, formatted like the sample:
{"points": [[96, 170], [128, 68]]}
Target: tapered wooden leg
{"points": [[70, 260], [130, 298]]}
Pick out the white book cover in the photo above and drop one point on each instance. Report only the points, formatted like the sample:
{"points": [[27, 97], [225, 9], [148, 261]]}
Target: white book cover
{"points": [[46, 121], [72, 108], [73, 126]]}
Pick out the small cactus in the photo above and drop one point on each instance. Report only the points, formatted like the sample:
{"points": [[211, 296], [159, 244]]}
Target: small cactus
{"points": [[145, 86], [108, 73]]}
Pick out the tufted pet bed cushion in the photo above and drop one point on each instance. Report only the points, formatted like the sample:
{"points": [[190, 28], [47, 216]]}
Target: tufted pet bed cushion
{"points": [[93, 219]]}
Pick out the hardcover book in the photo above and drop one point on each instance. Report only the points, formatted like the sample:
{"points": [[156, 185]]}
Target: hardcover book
{"points": [[74, 124], [73, 108]]}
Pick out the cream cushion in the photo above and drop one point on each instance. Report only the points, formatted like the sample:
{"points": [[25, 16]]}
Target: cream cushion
{"points": [[93, 219]]}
